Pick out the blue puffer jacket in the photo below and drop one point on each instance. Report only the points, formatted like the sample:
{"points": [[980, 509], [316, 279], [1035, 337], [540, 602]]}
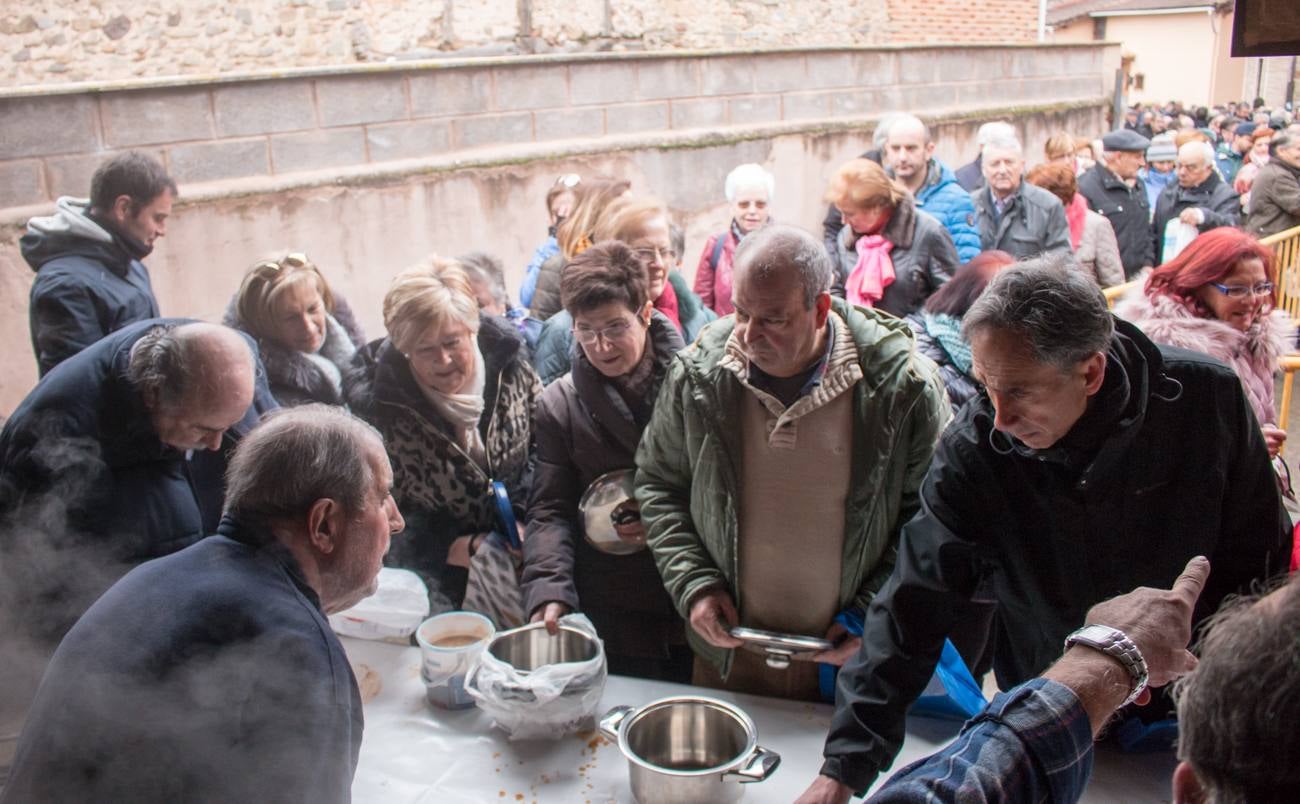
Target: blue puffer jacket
{"points": [[943, 198]]}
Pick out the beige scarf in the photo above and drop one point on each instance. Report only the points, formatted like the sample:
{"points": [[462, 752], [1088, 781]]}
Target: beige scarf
{"points": [[463, 411]]}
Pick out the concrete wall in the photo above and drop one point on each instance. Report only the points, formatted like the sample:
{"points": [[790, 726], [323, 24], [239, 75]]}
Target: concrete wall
{"points": [[364, 221]]}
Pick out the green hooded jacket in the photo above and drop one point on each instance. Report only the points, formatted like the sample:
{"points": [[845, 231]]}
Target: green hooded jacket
{"points": [[687, 482]]}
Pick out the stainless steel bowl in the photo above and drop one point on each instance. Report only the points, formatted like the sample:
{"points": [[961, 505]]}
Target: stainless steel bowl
{"points": [[688, 749], [530, 647], [607, 499]]}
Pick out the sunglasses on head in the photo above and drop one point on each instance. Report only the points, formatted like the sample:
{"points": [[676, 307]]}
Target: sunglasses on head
{"points": [[569, 180], [295, 259]]}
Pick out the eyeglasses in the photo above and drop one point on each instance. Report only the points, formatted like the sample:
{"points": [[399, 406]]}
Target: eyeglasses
{"points": [[1242, 291], [611, 333], [295, 259], [654, 254], [569, 180]]}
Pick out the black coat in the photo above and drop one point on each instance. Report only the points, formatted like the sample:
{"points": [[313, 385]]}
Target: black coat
{"points": [[87, 284], [584, 429], [971, 175], [1214, 196], [87, 489], [1049, 533], [441, 492], [208, 675], [546, 294], [1128, 211], [924, 259]]}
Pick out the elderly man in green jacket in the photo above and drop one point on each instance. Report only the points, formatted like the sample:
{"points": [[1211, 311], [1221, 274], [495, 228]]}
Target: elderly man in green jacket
{"points": [[785, 453]]}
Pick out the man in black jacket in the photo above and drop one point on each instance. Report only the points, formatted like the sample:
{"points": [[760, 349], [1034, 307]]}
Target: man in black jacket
{"points": [[212, 674], [1097, 462], [1112, 189], [95, 472], [1011, 214], [1199, 198], [89, 278]]}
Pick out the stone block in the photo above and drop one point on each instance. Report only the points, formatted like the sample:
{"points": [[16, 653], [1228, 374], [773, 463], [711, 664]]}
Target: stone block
{"points": [[447, 92], [829, 70], [975, 64], [726, 76], [917, 67], [636, 117], [213, 161], [699, 113], [857, 101], [520, 88], [70, 175], [38, 126], [754, 109], [669, 78], [317, 149], [805, 105], [601, 83], [408, 140], [784, 73], [931, 97], [145, 117], [344, 101], [263, 107], [874, 69], [21, 183], [564, 124], [493, 129]]}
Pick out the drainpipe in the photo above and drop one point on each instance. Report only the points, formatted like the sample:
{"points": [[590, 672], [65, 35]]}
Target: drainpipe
{"points": [[1042, 21]]}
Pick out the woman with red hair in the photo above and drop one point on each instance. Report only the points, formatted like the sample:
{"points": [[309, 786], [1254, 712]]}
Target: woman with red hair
{"points": [[1217, 297]]}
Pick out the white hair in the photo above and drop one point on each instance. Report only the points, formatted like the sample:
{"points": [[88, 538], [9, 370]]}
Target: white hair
{"points": [[1006, 142], [750, 175], [997, 130], [1199, 147]]}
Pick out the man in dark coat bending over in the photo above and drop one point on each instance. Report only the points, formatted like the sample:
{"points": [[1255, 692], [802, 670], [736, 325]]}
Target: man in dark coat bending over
{"points": [[212, 674], [1095, 462]]}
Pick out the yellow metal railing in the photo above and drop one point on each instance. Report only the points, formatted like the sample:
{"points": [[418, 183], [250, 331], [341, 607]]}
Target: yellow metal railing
{"points": [[1286, 277], [1113, 292]]}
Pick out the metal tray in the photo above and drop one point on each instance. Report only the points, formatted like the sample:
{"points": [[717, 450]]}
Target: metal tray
{"points": [[780, 647]]}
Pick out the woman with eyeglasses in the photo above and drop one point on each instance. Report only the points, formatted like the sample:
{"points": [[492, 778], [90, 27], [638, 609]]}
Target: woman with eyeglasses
{"points": [[889, 255], [452, 393], [588, 424], [1217, 297], [306, 334], [643, 225]]}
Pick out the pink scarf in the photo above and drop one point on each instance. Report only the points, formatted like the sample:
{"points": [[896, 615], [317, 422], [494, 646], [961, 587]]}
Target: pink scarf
{"points": [[1076, 212], [873, 273]]}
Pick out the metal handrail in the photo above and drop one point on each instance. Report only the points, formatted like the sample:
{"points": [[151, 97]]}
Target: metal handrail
{"points": [[1286, 278]]}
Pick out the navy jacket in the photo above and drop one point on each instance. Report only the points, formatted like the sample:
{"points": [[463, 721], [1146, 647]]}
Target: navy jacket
{"points": [[88, 490], [208, 675], [1124, 500], [87, 284]]}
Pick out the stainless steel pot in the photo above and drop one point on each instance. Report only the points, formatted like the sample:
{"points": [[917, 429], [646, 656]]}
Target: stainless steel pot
{"points": [[688, 749], [529, 647]]}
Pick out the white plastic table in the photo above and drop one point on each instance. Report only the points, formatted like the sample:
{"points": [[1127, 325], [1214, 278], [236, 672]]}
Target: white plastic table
{"points": [[413, 752]]}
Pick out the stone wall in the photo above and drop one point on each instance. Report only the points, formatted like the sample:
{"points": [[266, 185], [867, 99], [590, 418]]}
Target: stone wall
{"points": [[108, 40], [313, 155]]}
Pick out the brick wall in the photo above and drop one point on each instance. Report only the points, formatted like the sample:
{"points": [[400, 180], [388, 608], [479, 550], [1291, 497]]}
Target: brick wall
{"points": [[108, 40]]}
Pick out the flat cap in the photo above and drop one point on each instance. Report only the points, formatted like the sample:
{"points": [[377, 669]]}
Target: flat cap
{"points": [[1125, 139]]}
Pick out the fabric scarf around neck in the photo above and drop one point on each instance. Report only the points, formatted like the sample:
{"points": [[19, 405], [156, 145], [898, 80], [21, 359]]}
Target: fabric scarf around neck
{"points": [[463, 410], [667, 304], [873, 273], [947, 331], [1076, 213]]}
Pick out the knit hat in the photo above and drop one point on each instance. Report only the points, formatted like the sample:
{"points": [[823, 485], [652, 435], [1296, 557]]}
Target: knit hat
{"points": [[1162, 149]]}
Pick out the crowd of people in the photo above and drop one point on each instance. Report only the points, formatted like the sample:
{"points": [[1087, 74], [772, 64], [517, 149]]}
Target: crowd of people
{"points": [[924, 425]]}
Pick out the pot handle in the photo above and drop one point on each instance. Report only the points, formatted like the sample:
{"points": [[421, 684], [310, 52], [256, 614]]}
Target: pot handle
{"points": [[610, 723], [762, 764]]}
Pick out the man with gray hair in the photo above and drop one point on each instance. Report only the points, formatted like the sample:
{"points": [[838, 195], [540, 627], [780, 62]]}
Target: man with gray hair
{"points": [[212, 673], [1198, 198], [95, 469], [971, 175], [785, 452], [1012, 215], [1275, 196], [1095, 462], [1113, 190]]}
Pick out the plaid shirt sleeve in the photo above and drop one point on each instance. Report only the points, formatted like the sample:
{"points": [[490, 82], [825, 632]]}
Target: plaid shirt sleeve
{"points": [[1032, 744]]}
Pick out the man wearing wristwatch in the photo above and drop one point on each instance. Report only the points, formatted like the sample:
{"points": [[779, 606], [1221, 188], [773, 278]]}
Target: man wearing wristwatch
{"points": [[1094, 462]]}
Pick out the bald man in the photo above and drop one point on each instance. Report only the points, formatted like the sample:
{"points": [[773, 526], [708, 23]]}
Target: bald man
{"points": [[95, 464]]}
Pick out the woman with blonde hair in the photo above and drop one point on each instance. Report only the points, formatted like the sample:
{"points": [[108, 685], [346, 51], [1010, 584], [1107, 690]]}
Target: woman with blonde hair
{"points": [[305, 333], [452, 392], [643, 224], [574, 235], [889, 255]]}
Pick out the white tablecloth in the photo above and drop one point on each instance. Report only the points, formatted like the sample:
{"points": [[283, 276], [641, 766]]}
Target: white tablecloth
{"points": [[413, 752]]}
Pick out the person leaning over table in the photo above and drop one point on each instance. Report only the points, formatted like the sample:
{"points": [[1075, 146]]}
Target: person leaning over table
{"points": [[453, 393], [306, 335], [588, 423], [784, 453], [1073, 478]]}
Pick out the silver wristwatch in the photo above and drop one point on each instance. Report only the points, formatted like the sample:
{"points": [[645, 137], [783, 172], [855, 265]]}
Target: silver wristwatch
{"points": [[1114, 643]]}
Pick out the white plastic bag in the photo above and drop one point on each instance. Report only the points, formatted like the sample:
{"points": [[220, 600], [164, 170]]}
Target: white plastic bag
{"points": [[546, 703], [1177, 236], [392, 613]]}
